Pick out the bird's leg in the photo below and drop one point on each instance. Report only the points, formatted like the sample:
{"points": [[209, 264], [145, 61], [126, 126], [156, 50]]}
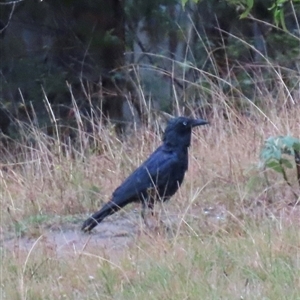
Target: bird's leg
{"points": [[148, 215], [151, 206], [144, 208], [146, 204], [159, 223]]}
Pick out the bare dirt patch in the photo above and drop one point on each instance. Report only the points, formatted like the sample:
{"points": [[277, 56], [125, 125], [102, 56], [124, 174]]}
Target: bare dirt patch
{"points": [[65, 239]]}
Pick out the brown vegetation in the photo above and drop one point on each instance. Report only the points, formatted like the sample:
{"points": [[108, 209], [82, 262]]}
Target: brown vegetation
{"points": [[224, 238]]}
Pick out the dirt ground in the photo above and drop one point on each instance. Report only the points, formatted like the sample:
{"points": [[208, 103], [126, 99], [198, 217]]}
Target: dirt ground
{"points": [[112, 235], [115, 233]]}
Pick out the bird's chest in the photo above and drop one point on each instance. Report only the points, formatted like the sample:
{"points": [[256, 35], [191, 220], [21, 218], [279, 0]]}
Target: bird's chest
{"points": [[182, 158], [179, 170], [176, 174]]}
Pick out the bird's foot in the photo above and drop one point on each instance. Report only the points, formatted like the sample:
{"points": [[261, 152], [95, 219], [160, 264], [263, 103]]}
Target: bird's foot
{"points": [[154, 224]]}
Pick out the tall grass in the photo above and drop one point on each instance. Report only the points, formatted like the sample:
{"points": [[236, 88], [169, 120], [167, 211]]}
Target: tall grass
{"points": [[231, 234]]}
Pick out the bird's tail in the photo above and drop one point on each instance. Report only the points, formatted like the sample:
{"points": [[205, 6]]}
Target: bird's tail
{"points": [[108, 209]]}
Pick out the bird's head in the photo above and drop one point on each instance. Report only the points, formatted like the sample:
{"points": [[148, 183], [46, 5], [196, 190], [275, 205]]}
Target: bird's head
{"points": [[178, 130]]}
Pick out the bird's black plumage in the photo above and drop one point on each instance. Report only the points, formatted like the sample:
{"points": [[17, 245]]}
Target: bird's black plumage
{"points": [[159, 177]]}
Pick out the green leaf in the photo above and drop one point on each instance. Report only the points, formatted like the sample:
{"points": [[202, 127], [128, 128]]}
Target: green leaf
{"points": [[290, 144], [276, 16], [272, 7], [286, 163], [274, 148], [289, 141], [297, 146], [265, 154], [276, 154], [248, 9], [183, 2], [275, 165], [282, 20]]}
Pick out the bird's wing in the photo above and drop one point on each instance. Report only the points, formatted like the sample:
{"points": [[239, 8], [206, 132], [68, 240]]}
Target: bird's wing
{"points": [[157, 168]]}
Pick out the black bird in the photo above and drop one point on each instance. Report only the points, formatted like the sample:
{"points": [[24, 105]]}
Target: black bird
{"points": [[159, 177]]}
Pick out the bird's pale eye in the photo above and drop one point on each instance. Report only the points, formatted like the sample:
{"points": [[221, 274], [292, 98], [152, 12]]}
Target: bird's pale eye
{"points": [[184, 123]]}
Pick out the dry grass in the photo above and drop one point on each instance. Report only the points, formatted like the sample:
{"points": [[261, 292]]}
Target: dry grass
{"points": [[227, 241]]}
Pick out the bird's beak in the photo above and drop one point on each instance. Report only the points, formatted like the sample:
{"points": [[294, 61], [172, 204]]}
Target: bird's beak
{"points": [[198, 122]]}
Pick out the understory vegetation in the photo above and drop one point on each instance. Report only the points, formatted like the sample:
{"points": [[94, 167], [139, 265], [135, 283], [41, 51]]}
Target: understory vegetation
{"points": [[232, 229]]}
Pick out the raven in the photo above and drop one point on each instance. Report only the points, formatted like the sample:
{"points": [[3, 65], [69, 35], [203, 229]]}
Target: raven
{"points": [[158, 178]]}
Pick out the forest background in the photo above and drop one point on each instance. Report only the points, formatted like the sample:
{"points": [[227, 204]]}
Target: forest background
{"points": [[84, 91]]}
